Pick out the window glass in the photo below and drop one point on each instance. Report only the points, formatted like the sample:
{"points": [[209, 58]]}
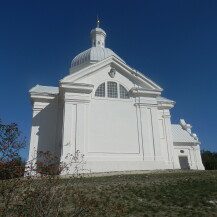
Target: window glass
{"points": [[100, 90], [112, 89], [123, 92]]}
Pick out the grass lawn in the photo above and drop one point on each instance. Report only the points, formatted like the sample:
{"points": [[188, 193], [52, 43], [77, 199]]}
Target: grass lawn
{"points": [[177, 193], [168, 193]]}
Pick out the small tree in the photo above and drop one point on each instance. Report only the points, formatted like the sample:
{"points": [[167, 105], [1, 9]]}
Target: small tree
{"points": [[11, 165], [42, 194]]}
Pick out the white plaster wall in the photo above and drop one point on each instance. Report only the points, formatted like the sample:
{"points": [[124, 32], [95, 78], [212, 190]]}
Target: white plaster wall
{"points": [[109, 131], [113, 127], [44, 123]]}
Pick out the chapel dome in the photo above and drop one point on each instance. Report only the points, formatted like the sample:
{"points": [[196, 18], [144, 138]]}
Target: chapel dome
{"points": [[97, 52], [92, 55]]}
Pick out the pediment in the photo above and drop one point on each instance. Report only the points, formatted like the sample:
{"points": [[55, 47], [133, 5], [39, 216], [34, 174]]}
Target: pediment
{"points": [[85, 75]]}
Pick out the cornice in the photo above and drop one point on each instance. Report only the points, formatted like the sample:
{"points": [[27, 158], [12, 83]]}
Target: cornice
{"points": [[116, 63], [136, 75], [145, 92], [165, 105], [42, 97], [166, 116], [76, 87], [39, 105], [76, 98], [145, 105]]}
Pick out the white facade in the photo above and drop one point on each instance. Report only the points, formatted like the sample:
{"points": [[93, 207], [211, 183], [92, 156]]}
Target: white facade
{"points": [[112, 114]]}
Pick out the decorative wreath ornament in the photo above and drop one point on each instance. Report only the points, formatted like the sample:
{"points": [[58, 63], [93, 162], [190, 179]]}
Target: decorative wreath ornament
{"points": [[112, 72]]}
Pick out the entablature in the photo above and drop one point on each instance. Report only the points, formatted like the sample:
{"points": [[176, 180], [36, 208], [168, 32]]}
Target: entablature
{"points": [[76, 98], [76, 87], [42, 97], [145, 92], [164, 105]]}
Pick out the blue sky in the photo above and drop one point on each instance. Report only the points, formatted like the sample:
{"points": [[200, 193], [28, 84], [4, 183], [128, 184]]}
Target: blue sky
{"points": [[174, 42]]}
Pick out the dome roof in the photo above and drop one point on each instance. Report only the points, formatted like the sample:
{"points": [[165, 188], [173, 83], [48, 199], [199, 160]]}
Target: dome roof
{"points": [[92, 55], [96, 53]]}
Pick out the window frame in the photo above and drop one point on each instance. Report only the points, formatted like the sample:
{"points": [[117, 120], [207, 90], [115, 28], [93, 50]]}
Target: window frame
{"points": [[109, 90], [121, 86], [100, 90], [106, 92]]}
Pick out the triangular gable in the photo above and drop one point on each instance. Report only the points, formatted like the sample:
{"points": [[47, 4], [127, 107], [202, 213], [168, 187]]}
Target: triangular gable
{"points": [[181, 135], [119, 65]]}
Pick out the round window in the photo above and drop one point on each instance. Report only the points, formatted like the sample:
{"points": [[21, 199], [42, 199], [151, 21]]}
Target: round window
{"points": [[182, 151]]}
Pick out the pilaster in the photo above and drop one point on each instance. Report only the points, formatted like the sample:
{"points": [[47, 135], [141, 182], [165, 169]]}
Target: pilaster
{"points": [[149, 130], [37, 108], [74, 121], [169, 139]]}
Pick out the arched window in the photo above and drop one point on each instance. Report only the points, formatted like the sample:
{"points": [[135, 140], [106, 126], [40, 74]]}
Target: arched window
{"points": [[100, 90], [123, 92], [112, 89]]}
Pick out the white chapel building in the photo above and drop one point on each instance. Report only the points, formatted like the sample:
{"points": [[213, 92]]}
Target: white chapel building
{"points": [[113, 114]]}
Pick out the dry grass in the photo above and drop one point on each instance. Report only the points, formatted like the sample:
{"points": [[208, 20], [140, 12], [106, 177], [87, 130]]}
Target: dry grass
{"points": [[188, 193], [168, 193]]}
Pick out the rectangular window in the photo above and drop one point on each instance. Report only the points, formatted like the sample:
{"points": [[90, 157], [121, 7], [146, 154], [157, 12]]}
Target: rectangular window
{"points": [[112, 89]]}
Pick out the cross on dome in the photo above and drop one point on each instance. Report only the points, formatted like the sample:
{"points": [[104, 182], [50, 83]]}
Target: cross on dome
{"points": [[97, 22], [98, 36]]}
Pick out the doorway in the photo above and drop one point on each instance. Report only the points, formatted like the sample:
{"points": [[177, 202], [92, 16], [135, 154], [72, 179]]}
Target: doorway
{"points": [[183, 160]]}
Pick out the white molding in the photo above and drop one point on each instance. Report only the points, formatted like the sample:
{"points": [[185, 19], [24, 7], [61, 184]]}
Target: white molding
{"points": [[115, 63], [76, 87], [76, 98], [42, 97], [145, 92], [168, 105]]}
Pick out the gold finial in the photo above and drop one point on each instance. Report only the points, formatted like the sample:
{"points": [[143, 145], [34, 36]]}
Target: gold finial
{"points": [[97, 22]]}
